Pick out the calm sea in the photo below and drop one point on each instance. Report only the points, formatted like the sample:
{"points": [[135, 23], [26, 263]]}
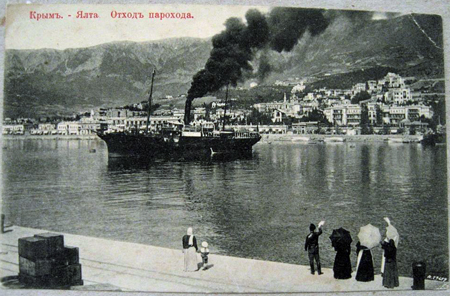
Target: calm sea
{"points": [[255, 208]]}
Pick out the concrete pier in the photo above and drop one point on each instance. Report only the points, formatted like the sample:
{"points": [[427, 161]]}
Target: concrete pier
{"points": [[122, 266]]}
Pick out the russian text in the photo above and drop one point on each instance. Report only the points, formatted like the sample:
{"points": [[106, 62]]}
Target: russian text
{"points": [[44, 15], [86, 15], [170, 15], [127, 15]]}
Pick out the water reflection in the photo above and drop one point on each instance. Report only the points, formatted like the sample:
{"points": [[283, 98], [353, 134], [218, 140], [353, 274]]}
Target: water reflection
{"points": [[257, 207]]}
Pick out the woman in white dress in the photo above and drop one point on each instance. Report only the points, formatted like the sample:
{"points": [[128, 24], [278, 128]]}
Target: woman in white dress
{"points": [[190, 251]]}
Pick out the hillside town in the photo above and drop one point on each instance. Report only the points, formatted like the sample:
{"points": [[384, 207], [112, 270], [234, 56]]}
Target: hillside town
{"points": [[391, 105]]}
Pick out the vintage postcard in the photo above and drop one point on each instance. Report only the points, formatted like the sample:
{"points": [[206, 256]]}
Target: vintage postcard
{"points": [[210, 148]]}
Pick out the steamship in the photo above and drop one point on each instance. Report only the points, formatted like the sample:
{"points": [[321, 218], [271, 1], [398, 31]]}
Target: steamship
{"points": [[177, 139]]}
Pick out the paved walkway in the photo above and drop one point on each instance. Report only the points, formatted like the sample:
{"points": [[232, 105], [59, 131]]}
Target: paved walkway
{"points": [[113, 265]]}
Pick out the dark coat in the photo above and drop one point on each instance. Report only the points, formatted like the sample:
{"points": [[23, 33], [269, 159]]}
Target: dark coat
{"points": [[312, 242], [342, 267], [390, 275], [365, 272], [186, 245]]}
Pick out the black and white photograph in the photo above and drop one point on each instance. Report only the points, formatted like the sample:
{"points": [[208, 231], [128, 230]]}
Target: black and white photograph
{"points": [[211, 148]]}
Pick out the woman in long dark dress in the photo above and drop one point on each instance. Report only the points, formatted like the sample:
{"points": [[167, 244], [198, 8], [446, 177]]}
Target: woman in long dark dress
{"points": [[342, 267], [390, 272], [364, 266]]}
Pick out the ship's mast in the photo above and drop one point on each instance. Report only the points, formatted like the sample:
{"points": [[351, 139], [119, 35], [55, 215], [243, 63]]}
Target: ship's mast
{"points": [[150, 101], [225, 108]]}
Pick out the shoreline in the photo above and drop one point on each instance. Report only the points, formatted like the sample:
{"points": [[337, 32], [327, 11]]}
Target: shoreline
{"points": [[274, 137], [50, 137], [299, 138]]}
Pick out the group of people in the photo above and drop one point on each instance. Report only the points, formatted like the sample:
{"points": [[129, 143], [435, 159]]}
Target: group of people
{"points": [[342, 267], [190, 250]]}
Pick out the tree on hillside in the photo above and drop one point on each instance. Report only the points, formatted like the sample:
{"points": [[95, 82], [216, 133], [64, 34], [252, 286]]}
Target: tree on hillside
{"points": [[316, 115], [257, 117], [365, 129], [361, 96], [432, 122]]}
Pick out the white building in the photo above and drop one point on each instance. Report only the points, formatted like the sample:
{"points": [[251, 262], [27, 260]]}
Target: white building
{"points": [[141, 122], [199, 113], [372, 110], [372, 84], [395, 114], [13, 129], [46, 127], [344, 114], [398, 96], [69, 127], [357, 88], [394, 80], [298, 88]]}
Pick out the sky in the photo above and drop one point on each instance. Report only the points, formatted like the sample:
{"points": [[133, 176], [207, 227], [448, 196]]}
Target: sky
{"points": [[23, 32]]}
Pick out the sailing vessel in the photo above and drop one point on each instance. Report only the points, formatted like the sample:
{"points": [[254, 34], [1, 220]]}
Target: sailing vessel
{"points": [[174, 139]]}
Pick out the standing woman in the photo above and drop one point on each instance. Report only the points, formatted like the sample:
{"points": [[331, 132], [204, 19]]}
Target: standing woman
{"points": [[364, 266], [342, 267], [390, 272], [190, 251]]}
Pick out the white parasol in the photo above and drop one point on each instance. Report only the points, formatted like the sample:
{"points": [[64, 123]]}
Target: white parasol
{"points": [[369, 236], [391, 232]]}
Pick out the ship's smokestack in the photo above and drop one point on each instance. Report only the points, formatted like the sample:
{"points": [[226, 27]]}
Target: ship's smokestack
{"points": [[235, 47]]}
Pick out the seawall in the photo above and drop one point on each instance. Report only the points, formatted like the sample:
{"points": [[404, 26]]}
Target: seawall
{"points": [[114, 265]]}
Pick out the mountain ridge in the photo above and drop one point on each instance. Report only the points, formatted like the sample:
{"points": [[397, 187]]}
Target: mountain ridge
{"points": [[51, 81]]}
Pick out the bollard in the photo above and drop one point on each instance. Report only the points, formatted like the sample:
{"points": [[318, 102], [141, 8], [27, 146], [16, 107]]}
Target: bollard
{"points": [[3, 226], [419, 270]]}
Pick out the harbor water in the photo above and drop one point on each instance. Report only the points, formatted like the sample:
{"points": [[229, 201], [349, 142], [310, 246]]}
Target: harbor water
{"points": [[256, 208]]}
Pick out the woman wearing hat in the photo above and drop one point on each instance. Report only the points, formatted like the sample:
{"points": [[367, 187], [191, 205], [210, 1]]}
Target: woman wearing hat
{"points": [[190, 251], [390, 272], [389, 269]]}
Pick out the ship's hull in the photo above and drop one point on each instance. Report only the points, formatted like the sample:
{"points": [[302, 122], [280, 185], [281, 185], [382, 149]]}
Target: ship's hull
{"points": [[152, 146]]}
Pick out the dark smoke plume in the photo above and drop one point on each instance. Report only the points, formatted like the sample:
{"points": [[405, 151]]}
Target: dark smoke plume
{"points": [[287, 26], [235, 47], [264, 68], [356, 16]]}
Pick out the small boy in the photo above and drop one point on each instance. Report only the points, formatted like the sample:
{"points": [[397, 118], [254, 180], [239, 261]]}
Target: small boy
{"points": [[204, 252]]}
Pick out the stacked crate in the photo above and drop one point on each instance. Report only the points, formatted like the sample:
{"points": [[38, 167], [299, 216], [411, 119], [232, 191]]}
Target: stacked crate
{"points": [[45, 262]]}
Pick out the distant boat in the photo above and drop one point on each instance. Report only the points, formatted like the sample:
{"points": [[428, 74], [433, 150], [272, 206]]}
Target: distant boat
{"points": [[301, 139], [92, 150], [404, 140], [395, 140], [334, 140]]}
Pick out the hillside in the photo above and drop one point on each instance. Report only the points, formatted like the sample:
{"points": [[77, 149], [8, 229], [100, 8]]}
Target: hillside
{"points": [[62, 81], [48, 81], [347, 46]]}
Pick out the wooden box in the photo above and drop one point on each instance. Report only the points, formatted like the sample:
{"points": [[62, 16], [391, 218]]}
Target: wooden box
{"points": [[33, 248]]}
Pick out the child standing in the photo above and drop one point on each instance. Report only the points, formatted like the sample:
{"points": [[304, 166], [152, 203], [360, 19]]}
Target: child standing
{"points": [[204, 252]]}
